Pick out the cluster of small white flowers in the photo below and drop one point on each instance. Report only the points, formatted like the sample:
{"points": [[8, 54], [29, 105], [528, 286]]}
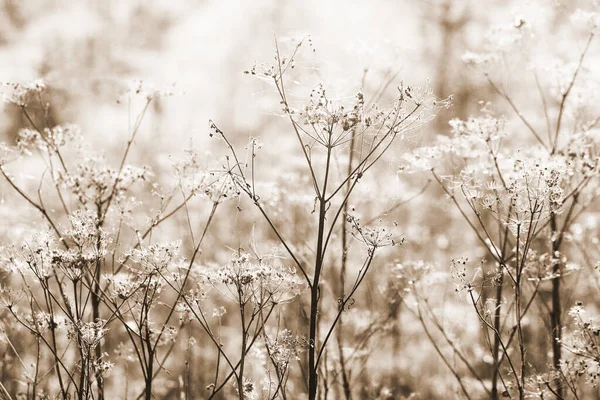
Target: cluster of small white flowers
{"points": [[36, 257], [219, 312], [93, 181], [217, 185], [577, 157], [197, 294], [22, 94], [415, 106], [85, 230], [577, 311], [122, 285], [285, 347], [189, 171], [158, 258], [10, 297], [257, 280], [102, 367], [421, 159], [323, 113], [476, 139], [480, 130], [249, 389], [51, 139], [530, 183], [73, 263], [410, 277], [559, 75], [282, 63], [39, 322], [126, 205], [583, 341], [28, 138], [88, 334], [373, 237], [535, 181], [330, 123], [263, 70], [220, 186], [410, 272]]}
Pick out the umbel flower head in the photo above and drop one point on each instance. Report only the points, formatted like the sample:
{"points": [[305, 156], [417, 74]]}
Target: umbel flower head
{"points": [[261, 281], [285, 348], [22, 94], [158, 258], [48, 140], [88, 334], [373, 237], [93, 181]]}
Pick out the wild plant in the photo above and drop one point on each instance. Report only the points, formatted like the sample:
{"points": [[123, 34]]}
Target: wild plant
{"points": [[520, 198], [102, 284], [82, 280], [327, 130]]}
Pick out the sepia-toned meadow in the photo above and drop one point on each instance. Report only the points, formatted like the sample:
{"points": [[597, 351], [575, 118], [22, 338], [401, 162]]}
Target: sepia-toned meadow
{"points": [[299, 200]]}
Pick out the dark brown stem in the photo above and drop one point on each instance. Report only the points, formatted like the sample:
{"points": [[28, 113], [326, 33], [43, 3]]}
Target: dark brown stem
{"points": [[344, 261], [555, 315], [314, 296]]}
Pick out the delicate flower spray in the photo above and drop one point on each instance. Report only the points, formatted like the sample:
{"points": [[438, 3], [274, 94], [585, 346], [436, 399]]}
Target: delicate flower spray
{"points": [[520, 186]]}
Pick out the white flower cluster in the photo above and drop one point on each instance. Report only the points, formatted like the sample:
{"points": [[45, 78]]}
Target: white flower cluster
{"points": [[373, 237], [93, 181], [22, 94], [260, 281], [284, 348], [88, 334], [158, 258], [583, 343], [49, 139]]}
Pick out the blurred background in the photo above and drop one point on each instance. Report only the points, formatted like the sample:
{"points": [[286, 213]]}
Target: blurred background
{"points": [[89, 51]]}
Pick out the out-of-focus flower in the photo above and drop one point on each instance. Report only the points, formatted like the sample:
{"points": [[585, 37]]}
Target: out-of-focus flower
{"points": [[23, 94]]}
